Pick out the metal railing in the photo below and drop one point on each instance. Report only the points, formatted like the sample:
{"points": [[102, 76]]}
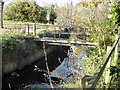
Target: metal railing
{"points": [[36, 29]]}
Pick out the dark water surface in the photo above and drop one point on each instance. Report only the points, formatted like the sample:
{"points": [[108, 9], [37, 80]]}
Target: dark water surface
{"points": [[62, 64]]}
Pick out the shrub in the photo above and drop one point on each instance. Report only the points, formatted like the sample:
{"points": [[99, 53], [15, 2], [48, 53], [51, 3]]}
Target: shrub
{"points": [[24, 11]]}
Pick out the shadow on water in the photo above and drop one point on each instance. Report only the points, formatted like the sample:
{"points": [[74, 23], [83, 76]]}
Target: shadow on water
{"points": [[63, 64], [28, 75]]}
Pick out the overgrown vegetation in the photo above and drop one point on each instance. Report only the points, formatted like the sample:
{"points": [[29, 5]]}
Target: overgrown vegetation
{"points": [[103, 24], [8, 42], [96, 15]]}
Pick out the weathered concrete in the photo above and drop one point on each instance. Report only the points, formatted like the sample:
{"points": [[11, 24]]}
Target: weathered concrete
{"points": [[22, 56]]}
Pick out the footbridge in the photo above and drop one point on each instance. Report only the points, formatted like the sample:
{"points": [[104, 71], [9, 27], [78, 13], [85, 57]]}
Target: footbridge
{"points": [[61, 35]]}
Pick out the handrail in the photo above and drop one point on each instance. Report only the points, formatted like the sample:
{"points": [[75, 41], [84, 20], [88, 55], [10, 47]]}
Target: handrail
{"points": [[63, 26], [47, 25], [95, 78]]}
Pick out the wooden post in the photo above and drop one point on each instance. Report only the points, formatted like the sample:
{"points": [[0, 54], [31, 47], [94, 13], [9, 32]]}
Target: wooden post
{"points": [[54, 33], [0, 47], [119, 36], [27, 28], [84, 33], [85, 81], [107, 73], [59, 32], [116, 52], [34, 29], [1, 13]]}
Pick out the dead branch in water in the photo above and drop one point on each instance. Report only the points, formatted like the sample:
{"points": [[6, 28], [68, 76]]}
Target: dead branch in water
{"points": [[47, 65]]}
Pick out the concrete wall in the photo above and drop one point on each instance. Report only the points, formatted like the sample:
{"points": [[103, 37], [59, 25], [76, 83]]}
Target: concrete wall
{"points": [[23, 55]]}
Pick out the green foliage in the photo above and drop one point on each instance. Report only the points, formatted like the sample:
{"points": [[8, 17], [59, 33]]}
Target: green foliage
{"points": [[8, 42], [24, 11], [94, 59], [114, 15], [52, 14]]}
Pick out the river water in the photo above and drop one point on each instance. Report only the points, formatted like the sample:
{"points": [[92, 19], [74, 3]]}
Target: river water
{"points": [[64, 63]]}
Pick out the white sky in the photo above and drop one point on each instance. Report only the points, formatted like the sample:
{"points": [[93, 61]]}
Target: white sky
{"points": [[58, 2], [47, 2]]}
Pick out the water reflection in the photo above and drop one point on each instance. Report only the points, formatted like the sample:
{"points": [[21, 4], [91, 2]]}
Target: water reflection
{"points": [[29, 76], [73, 64]]}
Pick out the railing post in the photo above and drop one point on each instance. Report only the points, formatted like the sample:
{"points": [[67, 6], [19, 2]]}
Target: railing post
{"points": [[54, 33], [119, 36], [84, 33], [107, 73], [34, 29], [27, 28], [60, 32], [1, 13], [116, 52]]}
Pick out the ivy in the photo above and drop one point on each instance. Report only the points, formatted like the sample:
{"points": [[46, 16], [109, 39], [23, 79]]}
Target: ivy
{"points": [[8, 42]]}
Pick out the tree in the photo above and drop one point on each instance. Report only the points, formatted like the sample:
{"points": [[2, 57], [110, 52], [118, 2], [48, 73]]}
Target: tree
{"points": [[66, 14], [25, 11], [114, 15], [52, 14], [94, 15]]}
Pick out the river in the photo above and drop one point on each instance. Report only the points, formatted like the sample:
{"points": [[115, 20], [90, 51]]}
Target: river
{"points": [[64, 63]]}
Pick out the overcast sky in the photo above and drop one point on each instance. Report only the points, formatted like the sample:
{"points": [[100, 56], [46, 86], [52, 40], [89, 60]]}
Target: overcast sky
{"points": [[47, 2]]}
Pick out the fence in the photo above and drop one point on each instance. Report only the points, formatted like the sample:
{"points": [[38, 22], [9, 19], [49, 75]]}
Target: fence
{"points": [[53, 30], [13, 29], [91, 82]]}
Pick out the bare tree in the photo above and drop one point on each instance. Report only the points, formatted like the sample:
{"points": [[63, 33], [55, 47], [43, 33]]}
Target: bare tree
{"points": [[66, 14], [94, 17]]}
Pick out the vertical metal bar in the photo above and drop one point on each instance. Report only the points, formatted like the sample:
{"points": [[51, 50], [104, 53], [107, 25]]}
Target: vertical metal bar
{"points": [[59, 32], [84, 33], [34, 29], [0, 53], [54, 33], [27, 29], [1, 13]]}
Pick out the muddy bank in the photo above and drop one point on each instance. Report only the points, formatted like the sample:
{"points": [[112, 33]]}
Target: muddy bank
{"points": [[24, 52]]}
